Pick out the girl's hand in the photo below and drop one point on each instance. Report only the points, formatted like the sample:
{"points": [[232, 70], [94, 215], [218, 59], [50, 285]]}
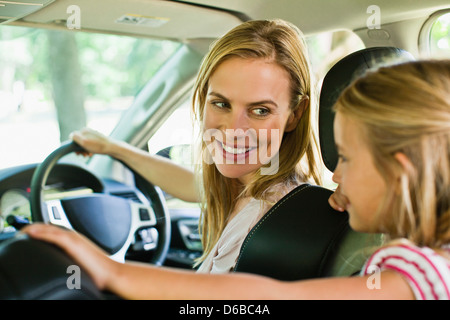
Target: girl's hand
{"points": [[88, 256], [338, 201]]}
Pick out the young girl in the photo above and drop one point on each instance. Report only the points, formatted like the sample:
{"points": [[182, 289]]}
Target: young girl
{"points": [[252, 101], [392, 129]]}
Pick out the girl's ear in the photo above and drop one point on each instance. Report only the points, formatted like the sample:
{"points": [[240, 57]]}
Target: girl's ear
{"points": [[404, 161], [296, 115], [407, 170]]}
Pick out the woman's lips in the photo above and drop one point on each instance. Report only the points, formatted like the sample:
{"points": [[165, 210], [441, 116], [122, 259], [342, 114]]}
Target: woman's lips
{"points": [[236, 150], [235, 153]]}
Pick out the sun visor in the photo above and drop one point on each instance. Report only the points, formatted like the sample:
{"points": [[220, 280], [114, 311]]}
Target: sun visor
{"points": [[150, 18], [13, 9]]}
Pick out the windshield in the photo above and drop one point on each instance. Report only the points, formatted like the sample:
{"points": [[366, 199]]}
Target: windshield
{"points": [[55, 82]]}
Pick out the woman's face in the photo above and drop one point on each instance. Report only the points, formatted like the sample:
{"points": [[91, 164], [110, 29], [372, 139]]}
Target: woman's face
{"points": [[246, 113], [356, 174]]}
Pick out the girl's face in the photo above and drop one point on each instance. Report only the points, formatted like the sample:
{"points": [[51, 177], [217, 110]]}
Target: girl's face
{"points": [[246, 113], [356, 174]]}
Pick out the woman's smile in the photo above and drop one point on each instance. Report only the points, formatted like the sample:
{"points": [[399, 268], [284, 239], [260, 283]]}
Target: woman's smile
{"points": [[235, 154]]}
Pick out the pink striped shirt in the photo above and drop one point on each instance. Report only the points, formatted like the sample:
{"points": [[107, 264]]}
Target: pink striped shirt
{"points": [[427, 272]]}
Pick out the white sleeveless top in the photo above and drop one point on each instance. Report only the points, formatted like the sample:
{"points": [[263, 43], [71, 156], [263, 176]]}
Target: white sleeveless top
{"points": [[223, 256]]}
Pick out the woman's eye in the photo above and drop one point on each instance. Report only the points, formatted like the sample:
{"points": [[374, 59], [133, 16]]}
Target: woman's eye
{"points": [[260, 112], [220, 104]]}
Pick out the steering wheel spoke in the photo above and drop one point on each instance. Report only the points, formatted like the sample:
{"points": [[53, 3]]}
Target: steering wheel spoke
{"points": [[55, 214], [143, 226]]}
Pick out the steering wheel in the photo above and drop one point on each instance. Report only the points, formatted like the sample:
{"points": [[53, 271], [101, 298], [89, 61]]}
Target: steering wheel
{"points": [[109, 221]]}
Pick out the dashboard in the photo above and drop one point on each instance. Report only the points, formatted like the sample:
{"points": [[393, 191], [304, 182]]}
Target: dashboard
{"points": [[16, 201], [66, 180]]}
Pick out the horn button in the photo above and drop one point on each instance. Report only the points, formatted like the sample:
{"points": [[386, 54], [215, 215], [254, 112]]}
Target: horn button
{"points": [[103, 218]]}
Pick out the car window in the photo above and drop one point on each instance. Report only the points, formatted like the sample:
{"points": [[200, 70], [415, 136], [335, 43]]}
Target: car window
{"points": [[54, 82], [174, 139], [327, 48], [439, 37], [178, 129]]}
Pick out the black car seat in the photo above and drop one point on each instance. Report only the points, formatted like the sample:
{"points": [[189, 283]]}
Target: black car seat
{"points": [[302, 237]]}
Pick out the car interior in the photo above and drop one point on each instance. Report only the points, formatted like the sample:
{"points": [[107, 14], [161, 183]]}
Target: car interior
{"points": [[301, 237]]}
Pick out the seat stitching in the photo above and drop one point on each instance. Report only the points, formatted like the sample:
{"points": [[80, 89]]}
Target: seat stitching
{"points": [[266, 216]]}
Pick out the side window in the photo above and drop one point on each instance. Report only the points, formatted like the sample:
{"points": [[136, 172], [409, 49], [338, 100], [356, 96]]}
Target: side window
{"points": [[435, 36], [176, 130], [327, 48], [174, 139], [440, 37]]}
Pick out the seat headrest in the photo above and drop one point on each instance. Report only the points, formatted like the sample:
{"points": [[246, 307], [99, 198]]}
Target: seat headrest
{"points": [[296, 238], [337, 79]]}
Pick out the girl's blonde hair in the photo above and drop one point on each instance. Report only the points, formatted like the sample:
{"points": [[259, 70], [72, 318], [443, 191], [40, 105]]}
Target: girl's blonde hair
{"points": [[406, 108], [282, 43]]}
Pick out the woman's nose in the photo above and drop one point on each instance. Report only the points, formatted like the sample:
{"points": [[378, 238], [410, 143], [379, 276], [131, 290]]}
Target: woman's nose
{"points": [[238, 120]]}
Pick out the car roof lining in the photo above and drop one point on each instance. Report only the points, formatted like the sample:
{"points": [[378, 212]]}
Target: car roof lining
{"points": [[196, 19], [310, 16]]}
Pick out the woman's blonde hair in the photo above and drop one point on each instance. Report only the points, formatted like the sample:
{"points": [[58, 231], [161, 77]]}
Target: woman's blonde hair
{"points": [[282, 43], [406, 109]]}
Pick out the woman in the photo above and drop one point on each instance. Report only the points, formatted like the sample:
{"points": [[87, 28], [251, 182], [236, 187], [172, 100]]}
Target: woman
{"points": [[252, 101]]}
